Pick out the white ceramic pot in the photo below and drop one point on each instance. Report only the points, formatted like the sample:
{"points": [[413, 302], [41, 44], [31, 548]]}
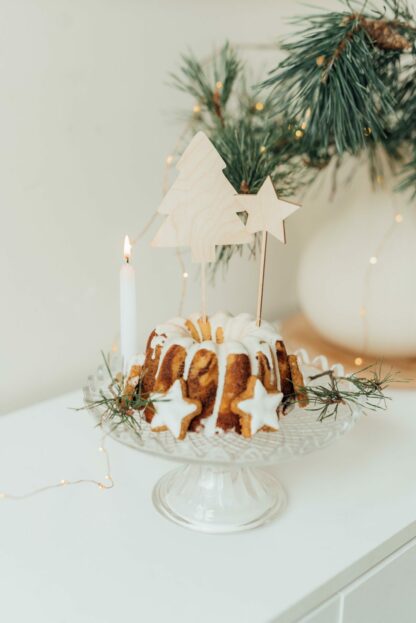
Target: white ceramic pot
{"points": [[357, 278]]}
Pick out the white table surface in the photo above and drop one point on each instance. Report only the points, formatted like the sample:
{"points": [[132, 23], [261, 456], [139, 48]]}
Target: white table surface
{"points": [[81, 555]]}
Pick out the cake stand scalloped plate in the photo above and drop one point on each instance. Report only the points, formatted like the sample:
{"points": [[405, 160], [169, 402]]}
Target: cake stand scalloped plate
{"points": [[224, 484]]}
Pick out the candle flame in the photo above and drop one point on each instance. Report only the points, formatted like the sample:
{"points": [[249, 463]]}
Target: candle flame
{"points": [[127, 249]]}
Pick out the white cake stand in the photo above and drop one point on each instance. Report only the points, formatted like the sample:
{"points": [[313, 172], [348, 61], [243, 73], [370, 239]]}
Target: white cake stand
{"points": [[225, 483]]}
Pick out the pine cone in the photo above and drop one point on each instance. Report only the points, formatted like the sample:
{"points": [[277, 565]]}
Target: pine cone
{"points": [[385, 36]]}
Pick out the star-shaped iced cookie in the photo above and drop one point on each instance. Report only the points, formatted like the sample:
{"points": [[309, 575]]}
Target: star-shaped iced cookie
{"points": [[257, 408], [173, 411]]}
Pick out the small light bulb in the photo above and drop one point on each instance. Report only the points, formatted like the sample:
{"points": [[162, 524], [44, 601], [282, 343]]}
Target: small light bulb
{"points": [[308, 113], [358, 361], [101, 486], [100, 449], [107, 477], [373, 260], [169, 159], [398, 218], [185, 275], [303, 126], [320, 60], [63, 482], [299, 133], [367, 131], [2, 496], [196, 109], [263, 149], [259, 106], [219, 84]]}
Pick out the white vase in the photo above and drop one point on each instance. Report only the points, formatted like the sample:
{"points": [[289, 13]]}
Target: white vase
{"points": [[357, 278]]}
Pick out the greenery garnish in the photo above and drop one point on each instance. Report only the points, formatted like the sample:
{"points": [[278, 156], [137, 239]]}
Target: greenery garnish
{"points": [[119, 408], [352, 391]]}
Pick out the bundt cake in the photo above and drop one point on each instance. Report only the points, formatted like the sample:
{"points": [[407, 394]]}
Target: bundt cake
{"points": [[222, 374]]}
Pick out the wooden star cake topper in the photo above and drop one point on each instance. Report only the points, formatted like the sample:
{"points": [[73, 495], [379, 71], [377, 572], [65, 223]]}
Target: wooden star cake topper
{"points": [[201, 212], [266, 214]]}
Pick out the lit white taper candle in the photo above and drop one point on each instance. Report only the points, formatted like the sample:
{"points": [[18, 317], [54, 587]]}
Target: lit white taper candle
{"points": [[128, 317]]}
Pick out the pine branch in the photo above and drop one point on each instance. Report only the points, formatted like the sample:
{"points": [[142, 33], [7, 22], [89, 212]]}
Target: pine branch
{"points": [[252, 145], [211, 89], [352, 391], [252, 153], [343, 67], [409, 176], [347, 85], [117, 407]]}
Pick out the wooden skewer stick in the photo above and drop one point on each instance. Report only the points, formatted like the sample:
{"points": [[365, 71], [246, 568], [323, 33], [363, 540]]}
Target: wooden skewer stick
{"points": [[203, 292], [261, 278]]}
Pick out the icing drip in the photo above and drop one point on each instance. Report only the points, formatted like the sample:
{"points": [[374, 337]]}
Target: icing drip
{"points": [[185, 342], [197, 346], [240, 336], [228, 348]]}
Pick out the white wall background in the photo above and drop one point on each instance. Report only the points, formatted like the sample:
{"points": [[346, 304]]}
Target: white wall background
{"points": [[86, 121]]}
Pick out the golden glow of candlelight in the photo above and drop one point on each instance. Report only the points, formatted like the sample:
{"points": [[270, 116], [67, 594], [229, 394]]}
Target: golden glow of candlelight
{"points": [[127, 249]]}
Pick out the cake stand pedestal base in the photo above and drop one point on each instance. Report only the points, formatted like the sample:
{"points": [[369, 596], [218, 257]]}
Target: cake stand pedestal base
{"points": [[219, 498]]}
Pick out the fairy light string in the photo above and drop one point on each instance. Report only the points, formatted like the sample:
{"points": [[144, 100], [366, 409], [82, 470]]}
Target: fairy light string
{"points": [[106, 483], [372, 266]]}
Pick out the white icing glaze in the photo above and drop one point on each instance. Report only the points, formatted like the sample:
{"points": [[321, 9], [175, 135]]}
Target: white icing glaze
{"points": [[225, 349], [262, 407], [320, 362], [241, 336], [197, 346], [185, 342], [302, 355], [171, 408], [338, 369]]}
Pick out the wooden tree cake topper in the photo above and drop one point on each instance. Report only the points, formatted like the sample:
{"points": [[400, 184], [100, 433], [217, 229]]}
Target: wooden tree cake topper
{"points": [[266, 214], [201, 207]]}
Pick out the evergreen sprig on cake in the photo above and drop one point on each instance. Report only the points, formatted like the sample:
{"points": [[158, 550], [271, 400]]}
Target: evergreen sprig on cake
{"points": [[124, 403]]}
